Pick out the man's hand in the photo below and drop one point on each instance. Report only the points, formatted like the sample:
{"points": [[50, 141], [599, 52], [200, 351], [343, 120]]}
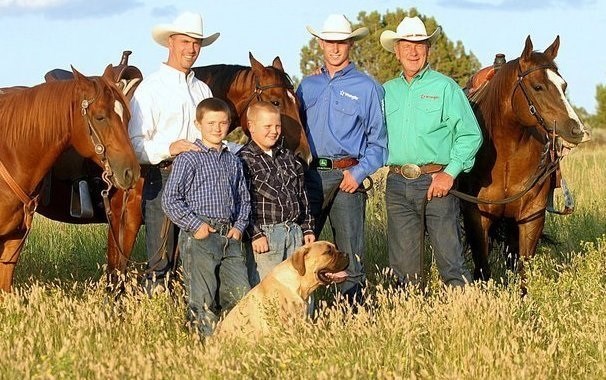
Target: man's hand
{"points": [[260, 244], [349, 183], [441, 183], [181, 146], [204, 231], [234, 233]]}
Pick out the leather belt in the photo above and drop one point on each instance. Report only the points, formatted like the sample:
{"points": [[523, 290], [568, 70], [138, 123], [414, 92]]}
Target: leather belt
{"points": [[412, 171], [323, 163]]}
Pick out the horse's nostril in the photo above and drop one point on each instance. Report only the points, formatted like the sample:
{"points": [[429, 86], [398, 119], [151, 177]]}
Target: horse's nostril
{"points": [[577, 131]]}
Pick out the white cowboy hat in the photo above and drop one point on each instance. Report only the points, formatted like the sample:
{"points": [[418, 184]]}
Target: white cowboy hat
{"points": [[187, 23], [410, 29], [338, 28]]}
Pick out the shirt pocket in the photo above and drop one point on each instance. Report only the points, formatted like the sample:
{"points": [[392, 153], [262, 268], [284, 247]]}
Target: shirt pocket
{"points": [[262, 186], [429, 110]]}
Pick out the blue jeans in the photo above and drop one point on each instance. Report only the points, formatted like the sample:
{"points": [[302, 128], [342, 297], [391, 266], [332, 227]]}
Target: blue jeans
{"points": [[214, 276], [404, 200], [346, 215], [160, 260], [283, 240]]}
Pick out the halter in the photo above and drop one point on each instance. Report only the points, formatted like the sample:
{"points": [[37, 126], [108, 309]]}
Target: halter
{"points": [[259, 90], [531, 107]]}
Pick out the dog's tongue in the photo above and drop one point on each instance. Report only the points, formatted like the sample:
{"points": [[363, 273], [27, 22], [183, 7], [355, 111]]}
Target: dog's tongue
{"points": [[337, 276]]}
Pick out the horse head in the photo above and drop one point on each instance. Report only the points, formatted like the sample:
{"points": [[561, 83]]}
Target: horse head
{"points": [[539, 97], [100, 115], [275, 86]]}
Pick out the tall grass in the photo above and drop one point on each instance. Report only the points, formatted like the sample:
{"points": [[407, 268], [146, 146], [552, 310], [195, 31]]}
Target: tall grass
{"points": [[60, 322]]}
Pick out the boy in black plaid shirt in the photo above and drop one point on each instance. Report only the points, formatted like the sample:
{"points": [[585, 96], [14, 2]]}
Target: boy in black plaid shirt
{"points": [[280, 217]]}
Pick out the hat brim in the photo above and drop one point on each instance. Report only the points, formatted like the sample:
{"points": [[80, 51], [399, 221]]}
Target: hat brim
{"points": [[388, 38], [356, 35], [161, 33]]}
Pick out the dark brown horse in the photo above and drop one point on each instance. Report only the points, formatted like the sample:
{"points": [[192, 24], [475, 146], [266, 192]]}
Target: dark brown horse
{"points": [[240, 86], [528, 126], [37, 124]]}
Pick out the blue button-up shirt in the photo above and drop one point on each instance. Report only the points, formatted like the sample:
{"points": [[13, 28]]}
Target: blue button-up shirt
{"points": [[344, 118], [206, 184]]}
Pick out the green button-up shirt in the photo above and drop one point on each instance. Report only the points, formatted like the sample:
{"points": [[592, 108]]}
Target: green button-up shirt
{"points": [[429, 120]]}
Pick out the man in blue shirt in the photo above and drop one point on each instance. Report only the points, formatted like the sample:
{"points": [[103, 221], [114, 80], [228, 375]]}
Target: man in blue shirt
{"points": [[345, 127]]}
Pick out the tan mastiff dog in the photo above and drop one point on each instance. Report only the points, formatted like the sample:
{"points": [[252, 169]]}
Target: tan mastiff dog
{"points": [[283, 293]]}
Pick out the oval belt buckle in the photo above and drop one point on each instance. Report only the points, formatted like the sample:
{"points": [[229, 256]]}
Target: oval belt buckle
{"points": [[411, 171]]}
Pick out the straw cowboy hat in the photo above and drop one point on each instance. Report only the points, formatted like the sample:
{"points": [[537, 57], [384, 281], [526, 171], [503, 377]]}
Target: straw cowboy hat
{"points": [[410, 29], [338, 28], [187, 23]]}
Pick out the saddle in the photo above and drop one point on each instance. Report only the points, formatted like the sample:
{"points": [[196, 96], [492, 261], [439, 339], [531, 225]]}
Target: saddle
{"points": [[74, 168]]}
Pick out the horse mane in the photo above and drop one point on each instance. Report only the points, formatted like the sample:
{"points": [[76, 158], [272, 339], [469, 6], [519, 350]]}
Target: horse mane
{"points": [[36, 114]]}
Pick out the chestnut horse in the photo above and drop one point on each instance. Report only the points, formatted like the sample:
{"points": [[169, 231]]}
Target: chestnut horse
{"points": [[240, 86], [528, 125], [37, 124]]}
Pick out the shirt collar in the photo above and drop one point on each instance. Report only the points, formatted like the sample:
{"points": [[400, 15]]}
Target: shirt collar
{"points": [[254, 148], [176, 75], [341, 72], [206, 149], [419, 75]]}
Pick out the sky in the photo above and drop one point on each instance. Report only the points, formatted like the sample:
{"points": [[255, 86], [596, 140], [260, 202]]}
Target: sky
{"points": [[39, 35]]}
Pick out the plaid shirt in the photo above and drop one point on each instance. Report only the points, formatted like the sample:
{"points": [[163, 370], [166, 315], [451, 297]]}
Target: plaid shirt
{"points": [[206, 184], [276, 189]]}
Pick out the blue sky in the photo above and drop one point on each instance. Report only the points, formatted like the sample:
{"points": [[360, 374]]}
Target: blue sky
{"points": [[38, 35]]}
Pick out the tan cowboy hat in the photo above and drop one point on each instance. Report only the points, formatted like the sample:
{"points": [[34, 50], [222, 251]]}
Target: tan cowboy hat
{"points": [[338, 28], [410, 29], [187, 23]]}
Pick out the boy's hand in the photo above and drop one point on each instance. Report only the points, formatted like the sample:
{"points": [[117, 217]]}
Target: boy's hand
{"points": [[234, 233], [310, 238], [204, 231], [260, 245]]}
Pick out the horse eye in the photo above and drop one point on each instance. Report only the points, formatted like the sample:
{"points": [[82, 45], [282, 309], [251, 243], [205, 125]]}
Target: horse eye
{"points": [[100, 118], [276, 103], [538, 87]]}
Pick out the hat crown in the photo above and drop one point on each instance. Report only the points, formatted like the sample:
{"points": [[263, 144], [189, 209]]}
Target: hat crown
{"points": [[411, 26], [189, 23], [336, 23]]}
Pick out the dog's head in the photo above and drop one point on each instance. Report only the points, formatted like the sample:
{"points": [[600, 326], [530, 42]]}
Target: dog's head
{"points": [[320, 259]]}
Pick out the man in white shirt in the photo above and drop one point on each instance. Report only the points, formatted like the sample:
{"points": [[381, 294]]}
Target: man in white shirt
{"points": [[162, 126]]}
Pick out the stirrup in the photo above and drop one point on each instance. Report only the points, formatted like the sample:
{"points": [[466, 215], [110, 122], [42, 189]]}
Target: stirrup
{"points": [[81, 205]]}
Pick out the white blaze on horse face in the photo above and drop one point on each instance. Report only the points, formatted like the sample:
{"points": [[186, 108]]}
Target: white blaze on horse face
{"points": [[119, 109], [291, 97], [558, 81]]}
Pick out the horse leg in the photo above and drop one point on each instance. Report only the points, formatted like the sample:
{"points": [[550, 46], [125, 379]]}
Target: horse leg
{"points": [[529, 234], [126, 219], [9, 256], [476, 231]]}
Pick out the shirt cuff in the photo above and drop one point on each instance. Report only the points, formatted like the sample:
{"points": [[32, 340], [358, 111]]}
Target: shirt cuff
{"points": [[454, 169]]}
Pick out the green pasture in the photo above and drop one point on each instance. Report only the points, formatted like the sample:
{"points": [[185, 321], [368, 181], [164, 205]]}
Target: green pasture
{"points": [[61, 323]]}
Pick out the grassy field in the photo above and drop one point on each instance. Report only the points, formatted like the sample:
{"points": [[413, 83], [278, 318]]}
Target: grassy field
{"points": [[60, 322]]}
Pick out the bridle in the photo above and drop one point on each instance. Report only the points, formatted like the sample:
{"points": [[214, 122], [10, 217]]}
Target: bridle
{"points": [[258, 91]]}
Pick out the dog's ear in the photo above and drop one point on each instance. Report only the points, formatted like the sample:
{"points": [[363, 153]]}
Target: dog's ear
{"points": [[298, 259]]}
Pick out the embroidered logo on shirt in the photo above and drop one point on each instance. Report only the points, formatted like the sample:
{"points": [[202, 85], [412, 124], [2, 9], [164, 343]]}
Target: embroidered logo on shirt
{"points": [[432, 97], [350, 96]]}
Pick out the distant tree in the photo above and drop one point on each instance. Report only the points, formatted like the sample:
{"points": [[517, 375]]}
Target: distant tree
{"points": [[599, 119], [448, 57]]}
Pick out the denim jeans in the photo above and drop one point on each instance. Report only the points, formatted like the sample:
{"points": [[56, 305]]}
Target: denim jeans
{"points": [[159, 261], [404, 200], [283, 240], [346, 216], [214, 276]]}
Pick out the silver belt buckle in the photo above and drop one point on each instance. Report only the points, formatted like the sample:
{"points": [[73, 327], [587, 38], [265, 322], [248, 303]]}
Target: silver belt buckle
{"points": [[410, 171]]}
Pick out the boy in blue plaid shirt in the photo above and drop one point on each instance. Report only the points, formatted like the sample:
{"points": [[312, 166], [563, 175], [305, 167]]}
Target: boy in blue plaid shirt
{"points": [[207, 197]]}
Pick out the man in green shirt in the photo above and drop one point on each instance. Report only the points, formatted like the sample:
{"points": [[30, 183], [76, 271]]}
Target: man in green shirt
{"points": [[433, 136]]}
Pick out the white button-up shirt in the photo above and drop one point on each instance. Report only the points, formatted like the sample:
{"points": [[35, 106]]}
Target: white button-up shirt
{"points": [[163, 111]]}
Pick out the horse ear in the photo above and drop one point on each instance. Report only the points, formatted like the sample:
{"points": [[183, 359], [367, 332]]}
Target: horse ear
{"points": [[256, 65], [277, 63], [109, 73], [552, 50], [298, 259], [527, 49], [77, 74]]}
